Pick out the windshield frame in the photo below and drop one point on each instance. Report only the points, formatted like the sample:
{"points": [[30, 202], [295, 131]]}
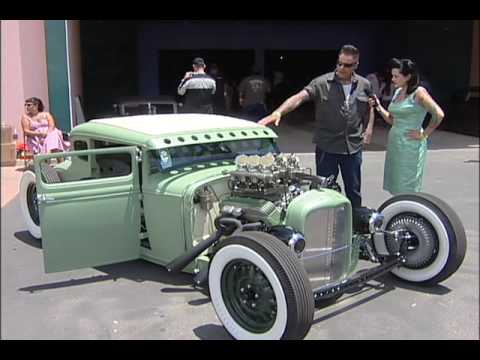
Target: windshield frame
{"points": [[177, 157]]}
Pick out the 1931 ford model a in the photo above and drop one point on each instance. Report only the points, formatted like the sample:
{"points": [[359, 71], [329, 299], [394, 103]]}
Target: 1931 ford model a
{"points": [[212, 196]]}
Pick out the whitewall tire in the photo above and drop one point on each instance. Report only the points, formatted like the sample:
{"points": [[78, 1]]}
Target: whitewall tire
{"points": [[259, 289], [28, 203], [439, 245]]}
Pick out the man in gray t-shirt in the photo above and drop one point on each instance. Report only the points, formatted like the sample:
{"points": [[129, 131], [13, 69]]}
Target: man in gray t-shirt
{"points": [[343, 118]]}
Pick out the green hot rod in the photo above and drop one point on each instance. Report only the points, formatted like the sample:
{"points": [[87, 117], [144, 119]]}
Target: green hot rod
{"points": [[213, 196]]}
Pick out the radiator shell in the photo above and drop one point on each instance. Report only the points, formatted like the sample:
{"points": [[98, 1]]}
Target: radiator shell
{"points": [[324, 217]]}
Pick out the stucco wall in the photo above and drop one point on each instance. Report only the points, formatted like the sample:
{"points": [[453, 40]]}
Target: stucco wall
{"points": [[23, 69]]}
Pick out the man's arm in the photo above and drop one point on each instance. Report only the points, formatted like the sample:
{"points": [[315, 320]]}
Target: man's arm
{"points": [[367, 136], [182, 88], [288, 105]]}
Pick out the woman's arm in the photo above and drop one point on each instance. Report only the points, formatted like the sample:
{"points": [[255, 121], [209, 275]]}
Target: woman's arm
{"points": [[26, 128], [51, 122], [423, 98], [375, 103]]}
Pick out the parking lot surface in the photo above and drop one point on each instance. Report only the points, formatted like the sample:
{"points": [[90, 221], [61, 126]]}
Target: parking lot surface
{"points": [[140, 300]]}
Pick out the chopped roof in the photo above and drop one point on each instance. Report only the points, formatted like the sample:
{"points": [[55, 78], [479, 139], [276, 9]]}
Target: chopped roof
{"points": [[145, 129]]}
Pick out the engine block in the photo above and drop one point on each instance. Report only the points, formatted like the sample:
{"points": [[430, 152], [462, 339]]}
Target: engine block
{"points": [[265, 176]]}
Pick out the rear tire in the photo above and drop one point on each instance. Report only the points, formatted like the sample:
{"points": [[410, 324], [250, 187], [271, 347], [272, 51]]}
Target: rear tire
{"points": [[440, 240], [28, 203], [259, 289]]}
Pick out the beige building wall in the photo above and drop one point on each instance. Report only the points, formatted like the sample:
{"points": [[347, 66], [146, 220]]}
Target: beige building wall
{"points": [[23, 69]]}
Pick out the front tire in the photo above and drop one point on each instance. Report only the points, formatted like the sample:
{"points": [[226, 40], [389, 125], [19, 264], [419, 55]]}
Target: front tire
{"points": [[259, 289], [28, 203], [438, 245]]}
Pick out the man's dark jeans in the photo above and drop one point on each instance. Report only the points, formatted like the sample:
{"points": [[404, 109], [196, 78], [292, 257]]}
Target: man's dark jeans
{"points": [[350, 164]]}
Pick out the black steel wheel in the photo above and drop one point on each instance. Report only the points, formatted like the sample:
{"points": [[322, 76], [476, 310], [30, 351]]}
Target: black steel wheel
{"points": [[259, 289], [436, 240], [32, 203]]}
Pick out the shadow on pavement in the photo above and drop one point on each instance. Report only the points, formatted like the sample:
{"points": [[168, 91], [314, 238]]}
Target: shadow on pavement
{"points": [[25, 237], [386, 283], [136, 270], [199, 302], [67, 283], [381, 291], [395, 282], [212, 332]]}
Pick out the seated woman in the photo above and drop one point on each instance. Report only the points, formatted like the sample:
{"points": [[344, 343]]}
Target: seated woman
{"points": [[42, 136]]}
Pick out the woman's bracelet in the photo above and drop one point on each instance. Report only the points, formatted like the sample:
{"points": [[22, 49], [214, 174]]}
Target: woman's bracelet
{"points": [[423, 135]]}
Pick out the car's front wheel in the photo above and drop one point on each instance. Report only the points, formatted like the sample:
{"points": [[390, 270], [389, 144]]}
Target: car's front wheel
{"points": [[29, 204], [259, 289]]}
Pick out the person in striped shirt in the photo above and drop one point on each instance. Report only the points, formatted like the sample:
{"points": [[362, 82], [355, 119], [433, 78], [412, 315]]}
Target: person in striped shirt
{"points": [[198, 89]]}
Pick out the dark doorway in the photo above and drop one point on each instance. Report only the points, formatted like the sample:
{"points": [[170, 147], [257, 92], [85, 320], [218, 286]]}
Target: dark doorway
{"points": [[109, 64], [299, 67], [173, 64]]}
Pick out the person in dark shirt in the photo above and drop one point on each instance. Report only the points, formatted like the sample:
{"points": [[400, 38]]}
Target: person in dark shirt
{"points": [[219, 98], [252, 93], [342, 111], [198, 89]]}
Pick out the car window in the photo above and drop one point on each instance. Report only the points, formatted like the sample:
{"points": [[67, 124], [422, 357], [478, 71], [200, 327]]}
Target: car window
{"points": [[81, 145], [180, 156], [103, 166]]}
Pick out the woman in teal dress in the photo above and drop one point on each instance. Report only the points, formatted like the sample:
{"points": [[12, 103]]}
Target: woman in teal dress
{"points": [[407, 140]]}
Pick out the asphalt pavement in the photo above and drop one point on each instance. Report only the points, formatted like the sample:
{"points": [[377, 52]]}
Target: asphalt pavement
{"points": [[140, 300]]}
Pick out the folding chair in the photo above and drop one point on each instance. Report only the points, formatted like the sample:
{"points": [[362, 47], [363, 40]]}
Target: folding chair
{"points": [[27, 154]]}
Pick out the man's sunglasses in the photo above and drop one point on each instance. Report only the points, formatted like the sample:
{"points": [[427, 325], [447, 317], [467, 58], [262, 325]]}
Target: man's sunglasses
{"points": [[345, 65], [28, 105]]}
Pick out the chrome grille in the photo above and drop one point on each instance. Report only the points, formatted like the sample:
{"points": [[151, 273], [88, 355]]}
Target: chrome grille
{"points": [[327, 254]]}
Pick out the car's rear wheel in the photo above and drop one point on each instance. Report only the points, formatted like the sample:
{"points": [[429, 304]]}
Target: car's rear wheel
{"points": [[259, 289], [437, 243], [29, 204]]}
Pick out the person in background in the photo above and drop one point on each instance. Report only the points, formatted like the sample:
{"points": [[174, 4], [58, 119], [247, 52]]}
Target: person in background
{"points": [[219, 98], [252, 93], [280, 89], [42, 137], [198, 89], [342, 112], [382, 87], [407, 140]]}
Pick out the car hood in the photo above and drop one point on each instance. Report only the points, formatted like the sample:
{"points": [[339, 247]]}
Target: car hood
{"points": [[177, 182]]}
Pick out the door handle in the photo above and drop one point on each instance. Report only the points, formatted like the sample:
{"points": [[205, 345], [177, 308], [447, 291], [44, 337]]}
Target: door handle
{"points": [[41, 198]]}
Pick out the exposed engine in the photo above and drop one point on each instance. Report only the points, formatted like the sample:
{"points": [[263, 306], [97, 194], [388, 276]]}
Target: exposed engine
{"points": [[259, 195], [277, 178]]}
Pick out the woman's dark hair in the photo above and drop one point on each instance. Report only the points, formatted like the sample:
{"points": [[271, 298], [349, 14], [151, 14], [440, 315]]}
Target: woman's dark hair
{"points": [[36, 101], [407, 67]]}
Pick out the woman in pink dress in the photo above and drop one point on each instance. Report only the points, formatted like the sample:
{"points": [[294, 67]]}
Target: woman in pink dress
{"points": [[42, 136]]}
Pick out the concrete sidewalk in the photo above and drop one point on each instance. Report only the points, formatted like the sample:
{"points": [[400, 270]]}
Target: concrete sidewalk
{"points": [[297, 137]]}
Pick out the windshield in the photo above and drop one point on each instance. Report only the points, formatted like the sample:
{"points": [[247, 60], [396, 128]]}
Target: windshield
{"points": [[180, 156]]}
